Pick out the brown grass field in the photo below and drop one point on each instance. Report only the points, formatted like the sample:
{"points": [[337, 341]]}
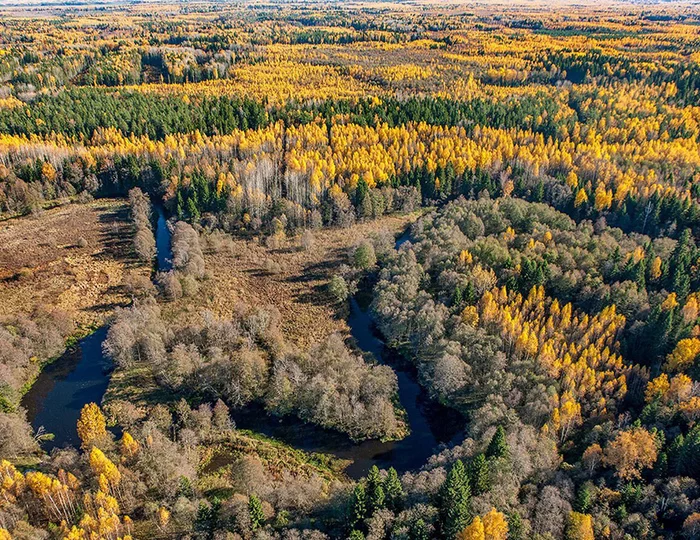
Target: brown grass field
{"points": [[297, 289], [71, 258]]}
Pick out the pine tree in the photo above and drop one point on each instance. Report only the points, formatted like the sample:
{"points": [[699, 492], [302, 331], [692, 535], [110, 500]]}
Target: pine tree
{"points": [[257, 516], [498, 447], [375, 491], [393, 490], [479, 475], [584, 499], [358, 508], [455, 496]]}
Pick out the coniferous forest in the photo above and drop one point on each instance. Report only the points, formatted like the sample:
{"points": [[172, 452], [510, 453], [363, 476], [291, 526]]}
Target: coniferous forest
{"points": [[354, 270]]}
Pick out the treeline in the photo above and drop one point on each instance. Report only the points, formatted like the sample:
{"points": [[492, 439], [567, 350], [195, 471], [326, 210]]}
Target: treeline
{"points": [[144, 241], [79, 112], [606, 67], [514, 112], [148, 114]]}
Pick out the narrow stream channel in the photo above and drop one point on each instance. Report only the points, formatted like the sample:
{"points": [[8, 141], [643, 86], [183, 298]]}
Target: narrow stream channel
{"points": [[82, 374]]}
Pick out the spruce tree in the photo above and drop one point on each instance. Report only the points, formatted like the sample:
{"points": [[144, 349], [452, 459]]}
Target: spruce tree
{"points": [[255, 511], [584, 499], [455, 496], [479, 475], [358, 506], [361, 192], [393, 490], [207, 520], [375, 490], [498, 447]]}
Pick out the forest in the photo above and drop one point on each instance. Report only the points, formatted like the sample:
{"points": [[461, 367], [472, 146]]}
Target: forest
{"points": [[354, 270]]}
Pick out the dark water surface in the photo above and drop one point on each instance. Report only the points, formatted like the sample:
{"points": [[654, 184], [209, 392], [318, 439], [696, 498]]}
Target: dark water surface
{"points": [[163, 253], [78, 377], [82, 374], [431, 424]]}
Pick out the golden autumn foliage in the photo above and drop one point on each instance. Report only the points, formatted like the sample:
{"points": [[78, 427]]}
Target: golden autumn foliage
{"points": [[683, 355], [129, 446], [577, 350], [92, 426], [492, 526], [163, 515], [473, 531], [579, 527], [104, 468], [273, 118], [630, 452], [495, 525]]}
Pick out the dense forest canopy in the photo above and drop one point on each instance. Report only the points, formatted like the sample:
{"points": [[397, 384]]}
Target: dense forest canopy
{"points": [[547, 291]]}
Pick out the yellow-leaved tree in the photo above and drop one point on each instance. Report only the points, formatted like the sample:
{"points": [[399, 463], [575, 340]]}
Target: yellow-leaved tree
{"points": [[92, 426], [579, 527], [630, 452], [495, 525], [473, 531]]}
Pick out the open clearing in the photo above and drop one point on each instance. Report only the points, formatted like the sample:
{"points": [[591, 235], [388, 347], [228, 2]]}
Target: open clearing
{"points": [[71, 258], [238, 275], [297, 285]]}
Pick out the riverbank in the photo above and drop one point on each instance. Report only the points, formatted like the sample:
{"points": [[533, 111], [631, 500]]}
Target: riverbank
{"points": [[61, 274], [239, 272]]}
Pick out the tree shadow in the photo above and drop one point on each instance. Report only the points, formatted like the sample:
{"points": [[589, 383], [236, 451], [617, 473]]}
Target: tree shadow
{"points": [[318, 296], [116, 234], [322, 270]]}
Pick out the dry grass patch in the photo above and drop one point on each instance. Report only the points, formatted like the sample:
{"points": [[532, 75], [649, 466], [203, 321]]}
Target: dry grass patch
{"points": [[72, 258], [292, 279]]}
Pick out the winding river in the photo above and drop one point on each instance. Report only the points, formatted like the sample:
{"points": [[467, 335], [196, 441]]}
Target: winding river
{"points": [[82, 374], [431, 424]]}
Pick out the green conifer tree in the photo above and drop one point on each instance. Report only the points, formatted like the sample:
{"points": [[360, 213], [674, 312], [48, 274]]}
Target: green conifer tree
{"points": [[479, 475], [255, 511], [455, 497], [375, 490], [358, 507], [393, 490], [498, 447]]}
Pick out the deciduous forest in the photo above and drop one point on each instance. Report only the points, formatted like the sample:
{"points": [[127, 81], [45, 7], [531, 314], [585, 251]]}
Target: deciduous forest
{"points": [[355, 270]]}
